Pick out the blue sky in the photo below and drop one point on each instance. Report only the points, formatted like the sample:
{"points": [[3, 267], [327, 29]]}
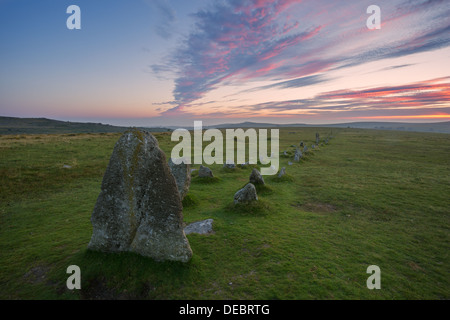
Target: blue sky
{"points": [[168, 62]]}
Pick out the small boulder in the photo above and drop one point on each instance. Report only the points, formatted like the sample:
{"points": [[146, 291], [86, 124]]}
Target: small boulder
{"points": [[246, 194], [256, 177], [282, 172], [200, 227], [205, 172], [229, 165], [245, 164]]}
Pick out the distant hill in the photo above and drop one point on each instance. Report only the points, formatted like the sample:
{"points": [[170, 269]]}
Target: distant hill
{"points": [[440, 127], [10, 125]]}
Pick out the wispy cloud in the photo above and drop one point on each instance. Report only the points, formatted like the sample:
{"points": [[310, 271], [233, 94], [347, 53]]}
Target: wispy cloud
{"points": [[293, 43], [240, 39], [295, 83], [432, 95], [163, 26]]}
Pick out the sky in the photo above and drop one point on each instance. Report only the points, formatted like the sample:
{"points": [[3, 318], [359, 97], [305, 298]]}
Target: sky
{"points": [[173, 62]]}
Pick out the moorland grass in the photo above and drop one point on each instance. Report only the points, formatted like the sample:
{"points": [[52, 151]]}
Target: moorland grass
{"points": [[367, 198]]}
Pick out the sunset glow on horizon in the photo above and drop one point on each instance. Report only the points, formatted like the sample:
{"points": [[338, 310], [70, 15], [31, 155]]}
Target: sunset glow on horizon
{"points": [[170, 62], [422, 116]]}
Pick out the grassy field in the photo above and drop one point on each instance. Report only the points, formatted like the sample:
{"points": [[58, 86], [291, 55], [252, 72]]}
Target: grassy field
{"points": [[367, 198]]}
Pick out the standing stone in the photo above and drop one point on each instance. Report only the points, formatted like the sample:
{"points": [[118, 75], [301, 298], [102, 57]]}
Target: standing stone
{"points": [[298, 155], [182, 174], [305, 149], [317, 138], [246, 194], [282, 172], [229, 165], [256, 177], [204, 172], [245, 164], [139, 207]]}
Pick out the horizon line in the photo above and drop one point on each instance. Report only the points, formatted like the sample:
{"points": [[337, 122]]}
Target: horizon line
{"points": [[349, 122]]}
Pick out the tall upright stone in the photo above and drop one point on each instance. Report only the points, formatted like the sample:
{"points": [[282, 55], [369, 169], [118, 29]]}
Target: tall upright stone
{"points": [[182, 174], [139, 207], [282, 172], [298, 155]]}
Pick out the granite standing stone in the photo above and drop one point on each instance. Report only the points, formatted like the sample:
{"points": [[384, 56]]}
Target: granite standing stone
{"points": [[256, 177], [182, 174], [298, 155], [245, 164], [204, 172], [139, 207], [246, 194], [229, 165], [282, 172]]}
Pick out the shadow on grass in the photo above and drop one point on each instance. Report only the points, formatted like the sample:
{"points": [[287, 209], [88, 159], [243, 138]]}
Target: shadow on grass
{"points": [[127, 275], [263, 189]]}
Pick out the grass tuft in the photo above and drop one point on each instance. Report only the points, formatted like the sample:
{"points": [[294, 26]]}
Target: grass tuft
{"points": [[205, 180], [284, 178], [254, 208], [263, 189], [190, 201]]}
